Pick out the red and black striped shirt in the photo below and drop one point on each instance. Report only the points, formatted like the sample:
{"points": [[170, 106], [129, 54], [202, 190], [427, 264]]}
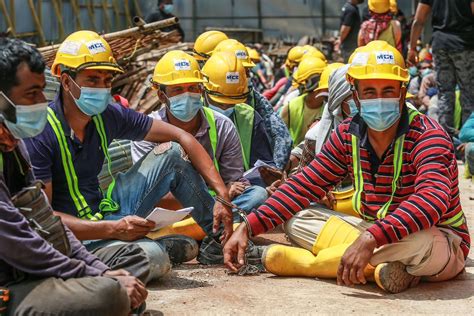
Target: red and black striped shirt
{"points": [[426, 195]]}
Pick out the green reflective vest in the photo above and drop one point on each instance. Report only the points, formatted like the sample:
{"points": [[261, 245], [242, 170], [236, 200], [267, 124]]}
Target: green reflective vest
{"points": [[243, 119], [107, 205], [455, 221], [295, 118]]}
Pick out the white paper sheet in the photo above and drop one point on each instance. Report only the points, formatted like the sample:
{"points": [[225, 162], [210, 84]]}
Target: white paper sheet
{"points": [[163, 217]]}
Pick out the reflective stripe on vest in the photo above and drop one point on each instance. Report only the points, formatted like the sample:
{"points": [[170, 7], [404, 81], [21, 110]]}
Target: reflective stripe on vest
{"points": [[295, 117], [244, 116], [83, 209], [455, 221], [211, 120]]}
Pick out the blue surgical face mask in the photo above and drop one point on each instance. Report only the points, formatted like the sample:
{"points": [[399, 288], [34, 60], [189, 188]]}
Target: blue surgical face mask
{"points": [[168, 8], [185, 106], [227, 112], [352, 107], [380, 114], [30, 120], [413, 71], [92, 101], [425, 72]]}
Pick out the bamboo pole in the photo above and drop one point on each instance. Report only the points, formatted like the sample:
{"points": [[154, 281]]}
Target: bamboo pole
{"points": [[12, 13], [118, 20], [150, 27], [77, 14], [137, 8], [3, 8], [39, 28], [108, 25], [128, 18], [59, 18], [90, 12]]}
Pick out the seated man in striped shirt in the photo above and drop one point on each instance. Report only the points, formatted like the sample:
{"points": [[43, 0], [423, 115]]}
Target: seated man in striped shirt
{"points": [[410, 225]]}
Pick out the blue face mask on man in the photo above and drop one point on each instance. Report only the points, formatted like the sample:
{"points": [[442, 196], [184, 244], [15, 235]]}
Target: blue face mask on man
{"points": [[381, 113], [30, 120], [185, 106], [168, 8], [227, 112], [353, 108], [92, 101]]}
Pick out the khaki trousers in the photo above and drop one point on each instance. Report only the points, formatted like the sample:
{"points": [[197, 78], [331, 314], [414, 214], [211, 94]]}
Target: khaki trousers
{"points": [[433, 254]]}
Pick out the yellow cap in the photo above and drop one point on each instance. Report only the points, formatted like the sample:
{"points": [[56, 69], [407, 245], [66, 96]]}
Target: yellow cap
{"points": [[238, 49], [254, 54], [177, 67], [393, 6], [313, 51], [379, 6], [308, 67], [225, 78], [206, 43], [377, 60], [84, 50], [324, 80], [294, 56]]}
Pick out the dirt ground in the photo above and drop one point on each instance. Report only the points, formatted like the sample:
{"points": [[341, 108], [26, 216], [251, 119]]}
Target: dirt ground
{"points": [[200, 290]]}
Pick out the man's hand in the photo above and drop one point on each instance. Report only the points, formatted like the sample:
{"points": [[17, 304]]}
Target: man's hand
{"points": [[355, 259], [273, 187], [412, 57], [114, 273], [135, 289], [132, 228], [222, 215], [234, 249], [236, 189]]}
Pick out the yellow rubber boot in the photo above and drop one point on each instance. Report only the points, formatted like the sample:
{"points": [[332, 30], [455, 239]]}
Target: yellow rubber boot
{"points": [[335, 232], [297, 262], [187, 227]]}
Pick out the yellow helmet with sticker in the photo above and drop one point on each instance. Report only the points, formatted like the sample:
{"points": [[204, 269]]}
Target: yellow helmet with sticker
{"points": [[176, 67], [206, 43], [84, 50], [238, 49], [225, 78], [377, 60], [313, 51]]}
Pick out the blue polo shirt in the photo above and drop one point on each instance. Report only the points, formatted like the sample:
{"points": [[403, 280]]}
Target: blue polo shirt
{"points": [[88, 157]]}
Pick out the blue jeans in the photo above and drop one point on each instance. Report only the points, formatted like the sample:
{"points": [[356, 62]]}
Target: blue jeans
{"points": [[251, 198], [142, 187], [470, 157]]}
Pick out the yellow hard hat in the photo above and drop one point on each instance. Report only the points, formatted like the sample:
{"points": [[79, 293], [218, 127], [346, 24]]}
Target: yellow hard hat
{"points": [[294, 56], [253, 54], [206, 43], [393, 6], [324, 80], [176, 67], [225, 78], [308, 67], [379, 6], [313, 51], [377, 60], [238, 49], [84, 50]]}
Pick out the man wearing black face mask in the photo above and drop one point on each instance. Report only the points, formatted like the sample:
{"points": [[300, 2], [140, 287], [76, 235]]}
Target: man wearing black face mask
{"points": [[350, 25]]}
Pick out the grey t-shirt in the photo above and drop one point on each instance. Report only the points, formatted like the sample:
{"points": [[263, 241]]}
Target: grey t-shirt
{"points": [[228, 149]]}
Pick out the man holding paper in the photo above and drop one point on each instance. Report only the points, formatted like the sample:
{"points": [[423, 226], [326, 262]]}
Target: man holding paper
{"points": [[68, 156]]}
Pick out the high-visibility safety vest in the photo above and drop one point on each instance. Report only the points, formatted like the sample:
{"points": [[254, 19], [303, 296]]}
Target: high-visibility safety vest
{"points": [[243, 118], [107, 205], [295, 117], [455, 221]]}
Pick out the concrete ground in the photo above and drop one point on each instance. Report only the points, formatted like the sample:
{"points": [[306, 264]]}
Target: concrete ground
{"points": [[200, 290]]}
